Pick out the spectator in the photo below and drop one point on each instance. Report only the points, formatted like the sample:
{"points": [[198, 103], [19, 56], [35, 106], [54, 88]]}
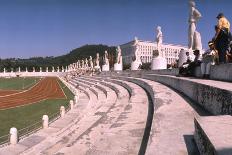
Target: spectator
{"points": [[229, 53], [209, 58], [188, 69], [222, 37]]}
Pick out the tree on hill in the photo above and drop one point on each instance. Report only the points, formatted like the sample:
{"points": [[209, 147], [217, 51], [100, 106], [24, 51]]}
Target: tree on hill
{"points": [[63, 60]]}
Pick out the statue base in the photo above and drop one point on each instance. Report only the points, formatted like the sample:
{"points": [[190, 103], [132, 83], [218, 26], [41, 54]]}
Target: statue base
{"points": [[135, 65], [118, 67], [105, 67], [158, 63], [97, 68]]}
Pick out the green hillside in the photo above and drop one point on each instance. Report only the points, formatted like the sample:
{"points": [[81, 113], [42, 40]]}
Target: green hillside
{"points": [[63, 60]]}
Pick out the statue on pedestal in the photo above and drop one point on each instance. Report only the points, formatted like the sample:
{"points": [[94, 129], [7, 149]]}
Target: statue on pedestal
{"points": [[46, 69], [40, 69], [194, 37], [4, 70], [86, 63], [82, 64], [53, 69], [33, 69], [97, 61], [158, 60], [19, 69], [91, 62], [106, 64], [136, 60], [26, 69], [118, 60], [105, 58], [62, 68]]}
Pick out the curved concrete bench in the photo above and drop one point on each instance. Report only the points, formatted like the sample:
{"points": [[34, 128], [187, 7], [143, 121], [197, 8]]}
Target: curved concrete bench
{"points": [[75, 86], [123, 84], [92, 115], [172, 110], [122, 125], [213, 135], [93, 89], [214, 96], [111, 86], [102, 88]]}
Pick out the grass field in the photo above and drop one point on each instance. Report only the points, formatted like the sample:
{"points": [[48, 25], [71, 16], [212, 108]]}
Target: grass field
{"points": [[17, 83], [21, 117]]}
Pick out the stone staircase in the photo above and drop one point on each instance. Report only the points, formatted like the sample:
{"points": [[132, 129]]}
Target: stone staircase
{"points": [[132, 113]]}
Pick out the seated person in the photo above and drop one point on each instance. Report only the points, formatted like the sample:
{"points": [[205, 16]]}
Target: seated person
{"points": [[188, 69], [229, 53], [209, 58], [183, 68]]}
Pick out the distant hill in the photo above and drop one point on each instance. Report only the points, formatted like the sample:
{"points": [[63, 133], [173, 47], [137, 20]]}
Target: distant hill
{"points": [[63, 60]]}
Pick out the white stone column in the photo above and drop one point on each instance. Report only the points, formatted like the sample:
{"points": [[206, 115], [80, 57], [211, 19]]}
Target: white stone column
{"points": [[76, 97], [62, 111], [13, 136], [45, 121], [71, 104]]}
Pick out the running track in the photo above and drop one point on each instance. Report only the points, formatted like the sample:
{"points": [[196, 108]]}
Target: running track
{"points": [[47, 88]]}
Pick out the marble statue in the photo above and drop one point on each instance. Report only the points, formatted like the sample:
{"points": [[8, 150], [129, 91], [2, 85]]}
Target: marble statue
{"points": [[82, 64], [118, 61], [86, 63], [62, 68], [78, 64], [136, 63], [105, 58], [40, 69], [158, 59], [106, 64], [33, 69], [4, 70], [26, 69], [159, 40], [118, 55], [19, 69], [46, 69], [91, 62], [193, 35], [53, 69], [97, 60]]}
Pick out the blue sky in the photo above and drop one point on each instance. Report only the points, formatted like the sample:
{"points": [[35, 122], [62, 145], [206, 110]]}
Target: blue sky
{"points": [[55, 27]]}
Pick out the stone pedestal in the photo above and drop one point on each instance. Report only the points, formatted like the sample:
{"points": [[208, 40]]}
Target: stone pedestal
{"points": [[45, 120], [62, 111], [98, 68], [105, 67], [118, 67], [13, 136], [135, 65], [158, 63]]}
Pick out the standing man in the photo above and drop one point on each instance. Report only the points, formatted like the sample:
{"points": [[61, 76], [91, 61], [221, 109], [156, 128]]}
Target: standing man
{"points": [[222, 37]]}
